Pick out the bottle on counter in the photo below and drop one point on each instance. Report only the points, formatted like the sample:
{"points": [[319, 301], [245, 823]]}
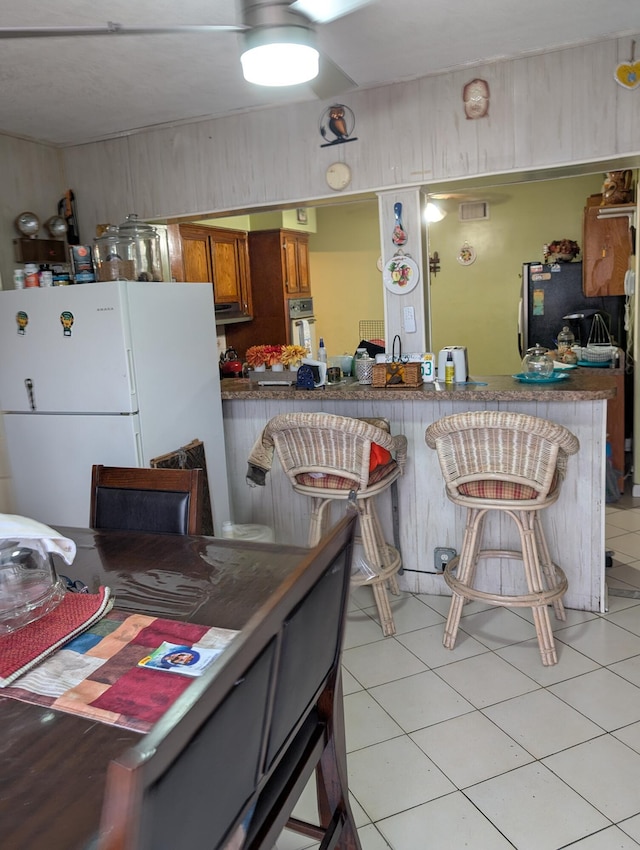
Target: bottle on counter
{"points": [[31, 277], [18, 278], [449, 369], [45, 276], [322, 351]]}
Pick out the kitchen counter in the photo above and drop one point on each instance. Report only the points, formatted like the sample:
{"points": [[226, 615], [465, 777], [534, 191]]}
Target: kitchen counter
{"points": [[574, 525], [581, 385]]}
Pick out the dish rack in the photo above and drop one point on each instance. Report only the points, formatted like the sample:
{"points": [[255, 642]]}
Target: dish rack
{"points": [[599, 348]]}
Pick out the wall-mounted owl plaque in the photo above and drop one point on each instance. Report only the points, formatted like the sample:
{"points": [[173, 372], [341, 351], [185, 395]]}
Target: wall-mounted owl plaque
{"points": [[475, 96], [336, 125]]}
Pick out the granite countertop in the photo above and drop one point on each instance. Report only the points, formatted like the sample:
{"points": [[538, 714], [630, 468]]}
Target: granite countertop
{"points": [[582, 384]]}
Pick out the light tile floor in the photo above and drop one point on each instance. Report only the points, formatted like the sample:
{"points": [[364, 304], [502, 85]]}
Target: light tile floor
{"points": [[484, 748]]}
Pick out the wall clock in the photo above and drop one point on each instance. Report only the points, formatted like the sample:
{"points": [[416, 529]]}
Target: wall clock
{"points": [[338, 176]]}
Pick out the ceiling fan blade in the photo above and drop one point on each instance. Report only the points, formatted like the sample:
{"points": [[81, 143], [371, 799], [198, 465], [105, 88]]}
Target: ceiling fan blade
{"points": [[323, 11], [111, 29], [331, 80]]}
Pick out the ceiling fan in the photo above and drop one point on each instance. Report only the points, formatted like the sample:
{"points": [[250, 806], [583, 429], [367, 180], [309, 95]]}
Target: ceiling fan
{"points": [[263, 22]]}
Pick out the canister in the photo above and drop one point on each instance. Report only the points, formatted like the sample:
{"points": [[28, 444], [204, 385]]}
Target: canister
{"points": [[18, 278], [46, 277], [146, 247], [364, 370]]}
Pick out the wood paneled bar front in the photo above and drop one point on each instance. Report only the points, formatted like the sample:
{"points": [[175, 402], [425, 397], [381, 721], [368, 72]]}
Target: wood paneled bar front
{"points": [[574, 525]]}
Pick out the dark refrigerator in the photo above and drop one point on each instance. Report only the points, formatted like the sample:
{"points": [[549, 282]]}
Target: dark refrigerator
{"points": [[552, 292]]}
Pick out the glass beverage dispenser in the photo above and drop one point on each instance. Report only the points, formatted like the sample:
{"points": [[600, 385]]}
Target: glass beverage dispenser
{"points": [[146, 248]]}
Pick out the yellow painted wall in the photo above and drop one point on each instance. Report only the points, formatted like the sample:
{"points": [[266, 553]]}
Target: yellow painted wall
{"points": [[345, 282], [477, 305], [474, 305]]}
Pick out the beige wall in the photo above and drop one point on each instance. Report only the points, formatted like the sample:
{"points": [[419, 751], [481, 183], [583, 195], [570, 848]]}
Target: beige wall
{"points": [[345, 282], [477, 305], [474, 305]]}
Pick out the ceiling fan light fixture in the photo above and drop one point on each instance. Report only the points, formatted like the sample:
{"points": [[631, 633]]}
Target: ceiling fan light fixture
{"points": [[280, 56]]}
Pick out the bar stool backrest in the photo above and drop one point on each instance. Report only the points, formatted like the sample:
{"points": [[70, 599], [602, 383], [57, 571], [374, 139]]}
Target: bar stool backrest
{"points": [[495, 445], [327, 443]]}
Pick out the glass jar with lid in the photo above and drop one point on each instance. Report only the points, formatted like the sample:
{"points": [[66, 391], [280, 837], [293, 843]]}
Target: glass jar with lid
{"points": [[29, 585], [566, 339], [146, 247], [113, 255], [537, 362]]}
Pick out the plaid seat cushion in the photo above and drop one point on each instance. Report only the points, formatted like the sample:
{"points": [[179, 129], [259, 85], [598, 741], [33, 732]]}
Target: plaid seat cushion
{"points": [[336, 482], [505, 490]]}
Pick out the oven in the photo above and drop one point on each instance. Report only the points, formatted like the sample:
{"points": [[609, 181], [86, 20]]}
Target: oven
{"points": [[302, 324]]}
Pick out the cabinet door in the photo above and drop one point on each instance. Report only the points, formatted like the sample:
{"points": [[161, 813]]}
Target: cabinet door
{"points": [[304, 285], [196, 258], [227, 272], [606, 251], [290, 265]]}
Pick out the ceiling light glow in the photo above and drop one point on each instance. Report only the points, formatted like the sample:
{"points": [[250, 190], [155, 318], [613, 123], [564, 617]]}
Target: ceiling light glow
{"points": [[280, 56], [433, 212]]}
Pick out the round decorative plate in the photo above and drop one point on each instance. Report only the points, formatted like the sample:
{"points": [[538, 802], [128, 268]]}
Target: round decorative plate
{"points": [[401, 274], [467, 255]]}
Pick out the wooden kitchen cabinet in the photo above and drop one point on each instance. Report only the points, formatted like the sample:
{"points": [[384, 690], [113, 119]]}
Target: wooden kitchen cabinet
{"points": [[281, 257], [606, 248], [216, 254], [279, 263]]}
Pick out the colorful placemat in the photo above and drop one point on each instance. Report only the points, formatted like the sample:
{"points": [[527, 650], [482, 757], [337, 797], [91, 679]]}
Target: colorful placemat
{"points": [[96, 675], [23, 649]]}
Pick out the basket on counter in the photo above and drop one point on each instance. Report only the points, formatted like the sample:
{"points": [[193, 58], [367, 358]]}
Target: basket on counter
{"points": [[397, 375], [400, 372]]}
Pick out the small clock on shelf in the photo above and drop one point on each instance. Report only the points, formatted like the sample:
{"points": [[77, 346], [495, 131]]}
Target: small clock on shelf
{"points": [[338, 176]]}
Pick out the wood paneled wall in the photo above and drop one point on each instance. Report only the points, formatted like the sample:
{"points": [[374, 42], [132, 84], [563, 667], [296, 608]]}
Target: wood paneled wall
{"points": [[547, 110]]}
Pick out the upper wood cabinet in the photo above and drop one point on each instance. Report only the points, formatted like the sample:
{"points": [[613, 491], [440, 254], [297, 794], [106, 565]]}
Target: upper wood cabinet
{"points": [[606, 248], [282, 258], [279, 271], [221, 256]]}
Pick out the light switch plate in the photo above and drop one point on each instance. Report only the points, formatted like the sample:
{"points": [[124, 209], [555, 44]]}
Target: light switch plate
{"points": [[409, 319]]}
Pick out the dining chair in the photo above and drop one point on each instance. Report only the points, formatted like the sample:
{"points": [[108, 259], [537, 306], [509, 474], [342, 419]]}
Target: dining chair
{"points": [[139, 499], [513, 464], [226, 765]]}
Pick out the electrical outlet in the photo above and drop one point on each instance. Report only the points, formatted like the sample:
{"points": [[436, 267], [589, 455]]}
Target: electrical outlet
{"points": [[441, 557]]}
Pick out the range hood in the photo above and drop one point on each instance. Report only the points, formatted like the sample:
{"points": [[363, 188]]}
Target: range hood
{"points": [[230, 312]]}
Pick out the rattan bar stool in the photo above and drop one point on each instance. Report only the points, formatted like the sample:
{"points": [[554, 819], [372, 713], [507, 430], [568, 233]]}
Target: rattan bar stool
{"points": [[328, 458], [514, 463]]}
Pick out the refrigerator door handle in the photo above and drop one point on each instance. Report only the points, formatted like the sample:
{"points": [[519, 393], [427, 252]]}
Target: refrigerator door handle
{"points": [[30, 394], [521, 327], [139, 449]]}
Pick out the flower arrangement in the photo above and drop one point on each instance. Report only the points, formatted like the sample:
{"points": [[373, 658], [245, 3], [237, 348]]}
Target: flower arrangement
{"points": [[562, 249], [292, 355], [264, 355]]}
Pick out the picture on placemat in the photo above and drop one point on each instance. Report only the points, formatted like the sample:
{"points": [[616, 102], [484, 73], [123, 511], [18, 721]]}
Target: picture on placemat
{"points": [[176, 658]]}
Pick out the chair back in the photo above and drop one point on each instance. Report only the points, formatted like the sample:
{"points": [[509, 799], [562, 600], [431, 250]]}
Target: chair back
{"points": [[491, 445], [329, 444], [151, 500], [228, 747]]}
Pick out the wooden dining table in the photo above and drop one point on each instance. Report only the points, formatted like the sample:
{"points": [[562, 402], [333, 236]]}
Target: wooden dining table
{"points": [[53, 764]]}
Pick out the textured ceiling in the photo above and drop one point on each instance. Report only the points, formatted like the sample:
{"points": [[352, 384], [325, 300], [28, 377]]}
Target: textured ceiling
{"points": [[70, 90]]}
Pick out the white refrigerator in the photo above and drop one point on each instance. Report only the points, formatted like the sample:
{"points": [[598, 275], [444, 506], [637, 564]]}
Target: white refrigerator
{"points": [[114, 373]]}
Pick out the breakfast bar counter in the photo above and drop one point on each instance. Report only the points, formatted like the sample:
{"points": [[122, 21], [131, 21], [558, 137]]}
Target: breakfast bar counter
{"points": [[574, 525]]}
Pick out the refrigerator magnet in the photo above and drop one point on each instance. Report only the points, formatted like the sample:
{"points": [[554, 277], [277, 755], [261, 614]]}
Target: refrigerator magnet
{"points": [[22, 320], [66, 320]]}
